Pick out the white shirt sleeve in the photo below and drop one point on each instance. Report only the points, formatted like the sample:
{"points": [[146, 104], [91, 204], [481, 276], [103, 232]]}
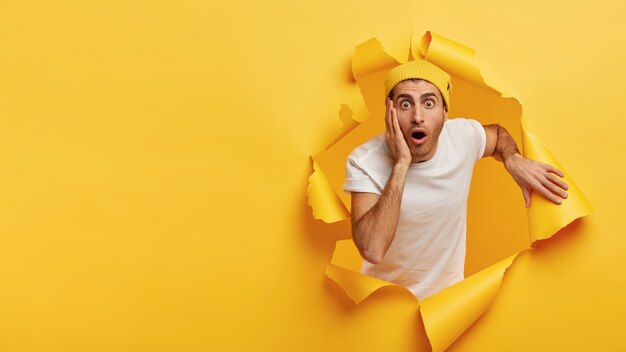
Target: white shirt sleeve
{"points": [[357, 180], [480, 138]]}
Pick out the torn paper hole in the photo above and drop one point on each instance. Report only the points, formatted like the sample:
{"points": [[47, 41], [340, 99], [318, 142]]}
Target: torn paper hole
{"points": [[492, 244]]}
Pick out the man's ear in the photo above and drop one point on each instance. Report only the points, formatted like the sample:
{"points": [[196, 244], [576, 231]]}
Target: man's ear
{"points": [[445, 113]]}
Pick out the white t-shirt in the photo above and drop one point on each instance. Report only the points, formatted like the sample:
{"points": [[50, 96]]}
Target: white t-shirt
{"points": [[428, 251]]}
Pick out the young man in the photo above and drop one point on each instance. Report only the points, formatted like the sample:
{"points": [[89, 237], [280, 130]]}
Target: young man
{"points": [[410, 185]]}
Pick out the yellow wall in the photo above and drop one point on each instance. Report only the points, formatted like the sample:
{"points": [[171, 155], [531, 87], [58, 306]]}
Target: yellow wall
{"points": [[155, 156]]}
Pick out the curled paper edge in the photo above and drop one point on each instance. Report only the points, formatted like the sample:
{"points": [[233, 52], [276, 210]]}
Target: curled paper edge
{"points": [[322, 199], [371, 58], [455, 58], [544, 218], [449, 313], [347, 123]]}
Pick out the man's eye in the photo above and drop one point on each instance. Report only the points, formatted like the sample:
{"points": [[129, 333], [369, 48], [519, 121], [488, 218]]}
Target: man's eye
{"points": [[429, 103], [405, 104]]}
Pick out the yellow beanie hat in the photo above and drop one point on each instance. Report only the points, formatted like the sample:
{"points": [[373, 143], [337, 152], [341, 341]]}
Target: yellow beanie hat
{"points": [[420, 69]]}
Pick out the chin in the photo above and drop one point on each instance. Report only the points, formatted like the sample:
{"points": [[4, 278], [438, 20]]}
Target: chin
{"points": [[420, 154]]}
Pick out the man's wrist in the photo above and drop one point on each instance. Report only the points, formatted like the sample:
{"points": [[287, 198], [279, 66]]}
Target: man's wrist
{"points": [[401, 167], [512, 158]]}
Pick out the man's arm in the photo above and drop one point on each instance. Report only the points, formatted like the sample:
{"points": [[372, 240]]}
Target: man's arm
{"points": [[374, 217], [529, 174]]}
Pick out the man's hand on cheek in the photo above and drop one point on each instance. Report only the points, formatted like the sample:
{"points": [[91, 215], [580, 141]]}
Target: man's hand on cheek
{"points": [[395, 138], [540, 177]]}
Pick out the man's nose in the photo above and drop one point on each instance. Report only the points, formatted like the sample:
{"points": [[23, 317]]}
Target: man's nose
{"points": [[418, 115]]}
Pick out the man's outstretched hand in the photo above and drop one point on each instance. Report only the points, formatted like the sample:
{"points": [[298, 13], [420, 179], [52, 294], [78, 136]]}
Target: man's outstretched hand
{"points": [[537, 176]]}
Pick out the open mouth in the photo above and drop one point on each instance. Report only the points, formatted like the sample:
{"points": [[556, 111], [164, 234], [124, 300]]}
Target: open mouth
{"points": [[419, 136]]}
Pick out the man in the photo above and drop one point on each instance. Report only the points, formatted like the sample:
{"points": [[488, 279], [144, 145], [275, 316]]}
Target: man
{"points": [[410, 186]]}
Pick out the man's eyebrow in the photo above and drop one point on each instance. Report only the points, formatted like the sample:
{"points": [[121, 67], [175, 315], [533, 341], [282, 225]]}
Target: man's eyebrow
{"points": [[404, 95], [427, 95], [423, 96]]}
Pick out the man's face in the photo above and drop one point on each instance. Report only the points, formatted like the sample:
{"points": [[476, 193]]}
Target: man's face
{"points": [[421, 116]]}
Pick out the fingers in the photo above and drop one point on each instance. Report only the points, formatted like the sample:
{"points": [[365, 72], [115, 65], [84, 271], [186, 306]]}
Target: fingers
{"points": [[554, 189], [391, 119], [554, 170], [388, 115], [544, 191], [534, 176], [557, 181], [388, 122], [550, 187], [396, 124]]}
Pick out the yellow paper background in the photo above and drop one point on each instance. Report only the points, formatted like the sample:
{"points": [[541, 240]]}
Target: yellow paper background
{"points": [[155, 160], [492, 224]]}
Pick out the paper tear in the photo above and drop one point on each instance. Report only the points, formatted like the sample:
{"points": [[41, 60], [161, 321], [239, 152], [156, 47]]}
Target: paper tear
{"points": [[322, 200], [372, 58], [449, 313], [459, 60], [544, 218], [347, 123], [344, 269]]}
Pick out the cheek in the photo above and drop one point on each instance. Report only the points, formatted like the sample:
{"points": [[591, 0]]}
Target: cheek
{"points": [[438, 128], [436, 124], [404, 119], [436, 116]]}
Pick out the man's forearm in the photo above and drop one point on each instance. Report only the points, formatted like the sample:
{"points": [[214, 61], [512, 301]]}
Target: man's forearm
{"points": [[505, 145], [376, 229]]}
